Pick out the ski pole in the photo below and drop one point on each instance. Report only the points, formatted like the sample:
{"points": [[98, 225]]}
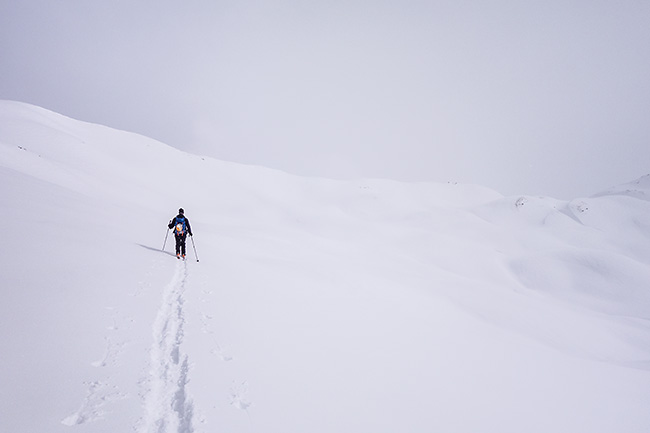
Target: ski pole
{"points": [[194, 246], [165, 243]]}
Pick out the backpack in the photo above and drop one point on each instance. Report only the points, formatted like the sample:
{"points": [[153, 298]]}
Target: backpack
{"points": [[180, 228]]}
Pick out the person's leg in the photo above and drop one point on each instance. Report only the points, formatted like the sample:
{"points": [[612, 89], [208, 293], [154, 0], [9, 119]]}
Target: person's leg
{"points": [[179, 242]]}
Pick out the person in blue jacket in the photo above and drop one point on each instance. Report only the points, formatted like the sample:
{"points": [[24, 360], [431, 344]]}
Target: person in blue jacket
{"points": [[181, 226]]}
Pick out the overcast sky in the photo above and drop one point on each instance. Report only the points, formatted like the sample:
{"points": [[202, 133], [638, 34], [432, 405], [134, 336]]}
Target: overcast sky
{"points": [[544, 97]]}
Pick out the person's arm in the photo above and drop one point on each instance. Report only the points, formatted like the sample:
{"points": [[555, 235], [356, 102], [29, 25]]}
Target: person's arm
{"points": [[189, 229]]}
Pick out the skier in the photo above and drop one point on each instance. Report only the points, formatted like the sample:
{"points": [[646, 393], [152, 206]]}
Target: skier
{"points": [[181, 226]]}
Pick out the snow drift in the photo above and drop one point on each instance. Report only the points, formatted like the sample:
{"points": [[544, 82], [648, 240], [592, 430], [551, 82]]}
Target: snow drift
{"points": [[317, 306]]}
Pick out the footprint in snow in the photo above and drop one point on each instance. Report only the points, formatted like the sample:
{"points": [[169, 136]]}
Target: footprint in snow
{"points": [[239, 396], [205, 323], [113, 351], [221, 353], [92, 408]]}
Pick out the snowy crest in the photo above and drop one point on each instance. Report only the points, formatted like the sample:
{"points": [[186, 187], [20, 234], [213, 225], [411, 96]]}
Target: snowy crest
{"points": [[639, 188]]}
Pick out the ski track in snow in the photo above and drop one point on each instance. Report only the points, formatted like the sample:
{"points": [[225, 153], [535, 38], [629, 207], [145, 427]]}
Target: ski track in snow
{"points": [[168, 408]]}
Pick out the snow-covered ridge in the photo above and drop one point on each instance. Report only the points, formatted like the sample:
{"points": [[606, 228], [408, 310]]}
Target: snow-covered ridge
{"points": [[318, 305], [639, 188]]}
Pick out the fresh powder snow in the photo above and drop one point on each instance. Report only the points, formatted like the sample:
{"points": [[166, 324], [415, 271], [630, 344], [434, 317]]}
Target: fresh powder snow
{"points": [[318, 306]]}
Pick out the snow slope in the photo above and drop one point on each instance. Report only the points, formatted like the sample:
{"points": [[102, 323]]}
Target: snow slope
{"points": [[317, 305]]}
